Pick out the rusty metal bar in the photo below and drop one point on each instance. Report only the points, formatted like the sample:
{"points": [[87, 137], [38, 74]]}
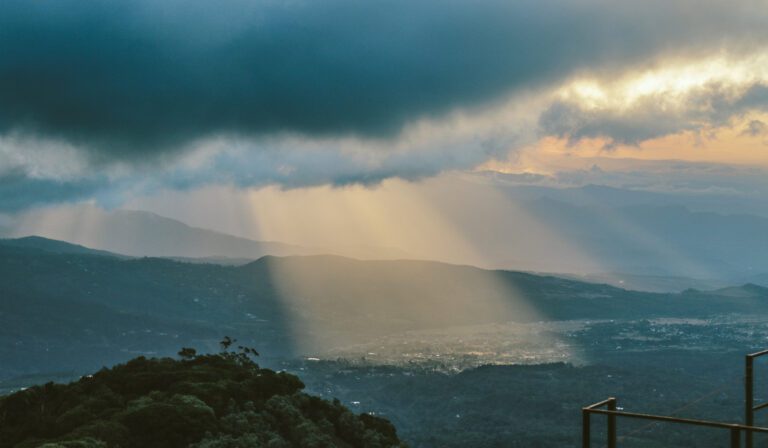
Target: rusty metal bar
{"points": [[736, 429], [761, 406], [749, 394], [687, 421], [736, 438], [611, 405], [757, 354], [586, 426], [600, 404]]}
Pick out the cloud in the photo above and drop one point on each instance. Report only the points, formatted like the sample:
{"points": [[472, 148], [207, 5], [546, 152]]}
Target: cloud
{"points": [[290, 162], [654, 115], [106, 100], [572, 121], [732, 187], [297, 162], [755, 128], [126, 79], [19, 191]]}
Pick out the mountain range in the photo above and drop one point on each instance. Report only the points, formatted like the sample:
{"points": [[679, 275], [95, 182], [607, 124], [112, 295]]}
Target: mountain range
{"points": [[66, 308], [650, 246], [145, 234], [662, 240]]}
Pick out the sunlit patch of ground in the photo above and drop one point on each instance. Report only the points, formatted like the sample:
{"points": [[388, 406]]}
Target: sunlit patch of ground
{"points": [[462, 347]]}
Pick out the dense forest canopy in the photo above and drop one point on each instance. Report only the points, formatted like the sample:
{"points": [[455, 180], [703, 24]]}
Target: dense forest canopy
{"points": [[223, 400]]}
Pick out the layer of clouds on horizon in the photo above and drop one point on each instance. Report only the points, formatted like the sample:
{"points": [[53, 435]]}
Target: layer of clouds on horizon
{"points": [[109, 99], [706, 108]]}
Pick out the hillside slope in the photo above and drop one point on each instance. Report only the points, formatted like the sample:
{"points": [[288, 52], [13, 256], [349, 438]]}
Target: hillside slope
{"points": [[144, 234], [55, 246], [208, 401], [80, 311]]}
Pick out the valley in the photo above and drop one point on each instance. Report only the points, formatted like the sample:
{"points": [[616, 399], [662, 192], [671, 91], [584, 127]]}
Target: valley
{"points": [[496, 352]]}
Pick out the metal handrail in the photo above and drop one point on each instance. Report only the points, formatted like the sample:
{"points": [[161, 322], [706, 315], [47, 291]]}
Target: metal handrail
{"points": [[735, 428], [749, 393]]}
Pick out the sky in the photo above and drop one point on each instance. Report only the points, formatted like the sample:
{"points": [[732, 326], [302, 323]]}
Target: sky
{"points": [[359, 115]]}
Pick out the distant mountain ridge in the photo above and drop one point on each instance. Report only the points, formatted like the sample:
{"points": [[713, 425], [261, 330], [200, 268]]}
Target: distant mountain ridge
{"points": [[84, 310], [668, 240], [139, 233], [56, 246], [649, 243], [745, 290], [145, 234], [739, 199]]}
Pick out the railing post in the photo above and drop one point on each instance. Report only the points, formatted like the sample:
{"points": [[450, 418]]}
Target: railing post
{"points": [[735, 438], [749, 406], [611, 423], [586, 437]]}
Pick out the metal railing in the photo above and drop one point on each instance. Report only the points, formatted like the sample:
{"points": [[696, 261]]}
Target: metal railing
{"points": [[609, 408], [612, 413], [749, 393]]}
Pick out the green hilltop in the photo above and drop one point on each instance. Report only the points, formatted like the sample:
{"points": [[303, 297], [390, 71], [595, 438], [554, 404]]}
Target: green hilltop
{"points": [[222, 400]]}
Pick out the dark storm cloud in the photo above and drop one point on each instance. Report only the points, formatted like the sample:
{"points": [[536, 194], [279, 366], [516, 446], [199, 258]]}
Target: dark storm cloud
{"points": [[128, 78], [19, 191]]}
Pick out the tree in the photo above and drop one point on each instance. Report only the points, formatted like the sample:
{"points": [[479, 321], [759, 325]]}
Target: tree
{"points": [[187, 353]]}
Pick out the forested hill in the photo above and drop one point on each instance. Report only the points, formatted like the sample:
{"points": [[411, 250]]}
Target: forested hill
{"points": [[208, 401]]}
